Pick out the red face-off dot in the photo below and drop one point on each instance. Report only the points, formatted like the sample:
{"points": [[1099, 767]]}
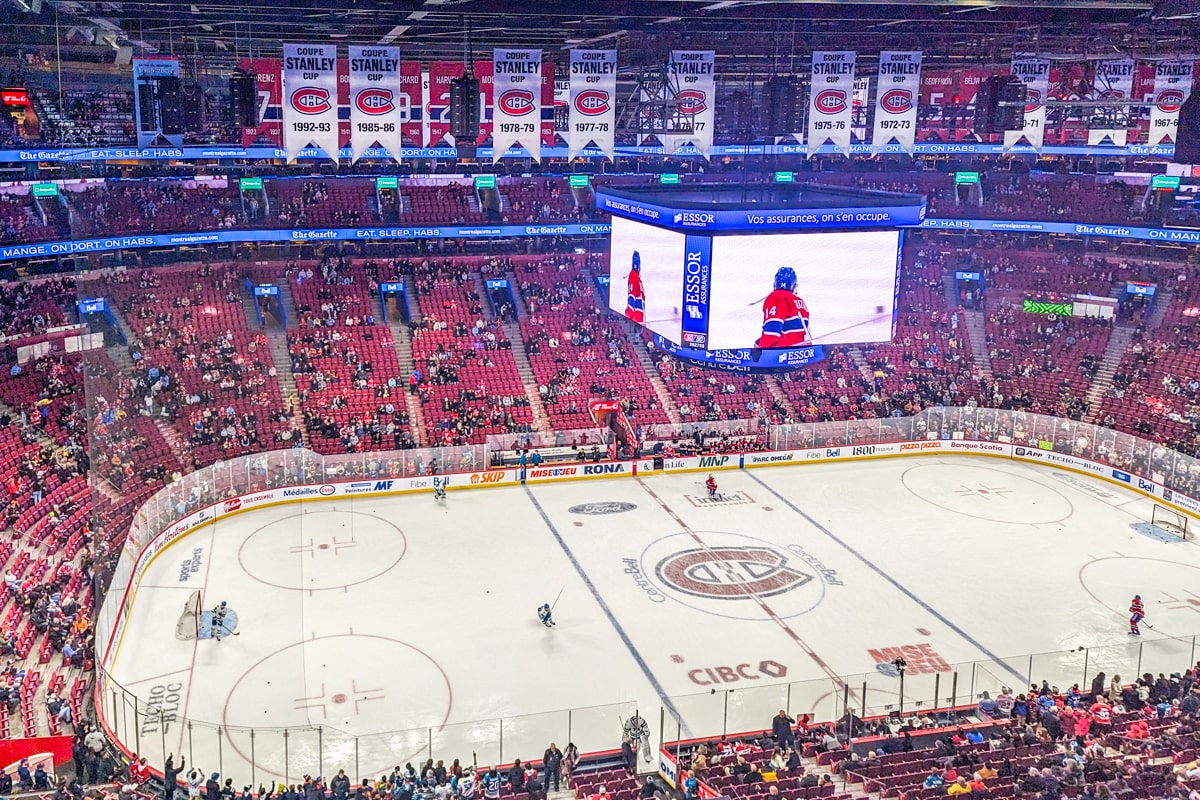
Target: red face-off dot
{"points": [[322, 547], [339, 698]]}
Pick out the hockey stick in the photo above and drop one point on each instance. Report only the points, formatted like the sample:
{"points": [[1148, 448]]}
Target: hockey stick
{"points": [[560, 591]]}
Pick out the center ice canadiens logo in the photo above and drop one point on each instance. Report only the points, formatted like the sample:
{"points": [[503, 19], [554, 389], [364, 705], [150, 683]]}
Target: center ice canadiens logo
{"points": [[516, 102], [730, 572], [311, 100], [732, 575]]}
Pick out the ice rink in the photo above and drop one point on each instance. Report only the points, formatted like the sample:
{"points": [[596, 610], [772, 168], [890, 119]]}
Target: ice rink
{"points": [[373, 616]]}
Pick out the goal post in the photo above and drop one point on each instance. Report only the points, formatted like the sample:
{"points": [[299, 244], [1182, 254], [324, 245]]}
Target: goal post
{"points": [[188, 626], [1170, 520]]}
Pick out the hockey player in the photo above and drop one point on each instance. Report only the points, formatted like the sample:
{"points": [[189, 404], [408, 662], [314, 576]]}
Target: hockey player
{"points": [[217, 620], [785, 317], [439, 488], [711, 485], [1137, 613], [543, 614], [635, 300]]}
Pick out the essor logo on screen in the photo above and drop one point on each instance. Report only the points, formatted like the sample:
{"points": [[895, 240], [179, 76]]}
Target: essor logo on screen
{"points": [[516, 102], [311, 100], [693, 218], [830, 101], [374, 101], [896, 101], [691, 101], [1169, 100], [592, 102]]}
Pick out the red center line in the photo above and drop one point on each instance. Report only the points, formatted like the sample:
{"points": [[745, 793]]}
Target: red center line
{"points": [[733, 576]]}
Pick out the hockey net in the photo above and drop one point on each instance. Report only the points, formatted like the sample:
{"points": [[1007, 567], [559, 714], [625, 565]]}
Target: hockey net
{"points": [[188, 626], [1169, 520]]}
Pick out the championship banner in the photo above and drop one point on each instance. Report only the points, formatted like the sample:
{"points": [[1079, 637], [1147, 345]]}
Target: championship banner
{"points": [[592, 106], [1172, 87], [377, 107], [694, 86], [517, 103], [1113, 81], [147, 70], [829, 100], [1035, 74], [896, 100], [410, 88], [310, 91], [562, 102]]}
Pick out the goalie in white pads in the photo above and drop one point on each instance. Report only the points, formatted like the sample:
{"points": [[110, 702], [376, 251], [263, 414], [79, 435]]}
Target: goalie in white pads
{"points": [[216, 621], [544, 614]]}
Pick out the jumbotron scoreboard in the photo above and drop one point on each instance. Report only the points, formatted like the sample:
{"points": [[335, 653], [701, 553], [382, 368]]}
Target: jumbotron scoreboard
{"points": [[757, 278]]}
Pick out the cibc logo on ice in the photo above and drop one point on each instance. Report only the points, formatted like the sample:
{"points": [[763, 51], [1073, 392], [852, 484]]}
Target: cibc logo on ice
{"points": [[731, 574]]}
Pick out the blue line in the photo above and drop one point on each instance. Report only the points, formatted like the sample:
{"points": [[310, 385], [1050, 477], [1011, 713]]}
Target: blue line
{"points": [[899, 586], [612, 618]]}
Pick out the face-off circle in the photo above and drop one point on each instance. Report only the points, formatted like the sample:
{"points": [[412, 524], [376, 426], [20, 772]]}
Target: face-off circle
{"points": [[731, 575], [322, 550], [335, 682], [985, 493]]}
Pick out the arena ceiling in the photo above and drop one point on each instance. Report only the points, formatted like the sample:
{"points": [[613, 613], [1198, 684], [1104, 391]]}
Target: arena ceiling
{"points": [[751, 37]]}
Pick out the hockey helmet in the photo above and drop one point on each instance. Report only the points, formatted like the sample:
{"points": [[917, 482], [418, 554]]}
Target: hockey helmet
{"points": [[223, 604], [637, 261], [785, 278]]}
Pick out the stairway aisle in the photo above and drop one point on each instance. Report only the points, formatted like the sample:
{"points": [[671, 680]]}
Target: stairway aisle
{"points": [[541, 421]]}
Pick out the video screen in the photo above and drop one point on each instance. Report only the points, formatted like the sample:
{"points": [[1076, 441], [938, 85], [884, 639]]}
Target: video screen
{"points": [[790, 290], [650, 294]]}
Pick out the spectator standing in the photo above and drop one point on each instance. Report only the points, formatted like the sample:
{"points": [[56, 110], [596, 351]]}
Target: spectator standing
{"points": [[628, 756], [552, 761], [781, 729], [171, 775]]}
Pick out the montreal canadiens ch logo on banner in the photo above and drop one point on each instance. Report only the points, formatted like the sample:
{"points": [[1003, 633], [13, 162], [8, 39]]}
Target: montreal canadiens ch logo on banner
{"points": [[1033, 100], [375, 101], [896, 101], [592, 102], [517, 102], [830, 101], [1169, 101], [691, 101], [310, 100]]}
